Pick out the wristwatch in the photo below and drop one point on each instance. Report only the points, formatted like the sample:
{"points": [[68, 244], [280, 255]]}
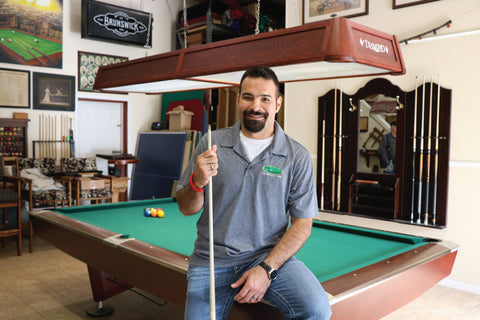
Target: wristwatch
{"points": [[272, 273]]}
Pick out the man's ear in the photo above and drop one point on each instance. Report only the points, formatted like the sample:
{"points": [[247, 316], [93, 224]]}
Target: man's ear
{"points": [[279, 104]]}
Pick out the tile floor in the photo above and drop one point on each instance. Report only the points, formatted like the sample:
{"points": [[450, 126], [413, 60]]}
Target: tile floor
{"points": [[49, 284]]}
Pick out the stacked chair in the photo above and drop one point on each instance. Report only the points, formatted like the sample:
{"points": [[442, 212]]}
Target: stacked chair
{"points": [[10, 197]]}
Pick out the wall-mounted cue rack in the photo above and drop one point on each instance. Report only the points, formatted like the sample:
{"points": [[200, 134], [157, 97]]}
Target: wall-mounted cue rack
{"points": [[417, 191], [55, 137]]}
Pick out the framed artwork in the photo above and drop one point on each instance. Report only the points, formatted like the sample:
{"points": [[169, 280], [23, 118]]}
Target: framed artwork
{"points": [[14, 88], [317, 10], [397, 4], [53, 92], [31, 33], [88, 64], [363, 125]]}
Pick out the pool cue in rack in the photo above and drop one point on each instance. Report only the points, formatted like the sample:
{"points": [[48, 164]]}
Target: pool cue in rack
{"points": [[55, 136]]}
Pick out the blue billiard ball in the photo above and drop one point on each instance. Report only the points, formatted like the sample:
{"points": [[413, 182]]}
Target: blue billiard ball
{"points": [[147, 212]]}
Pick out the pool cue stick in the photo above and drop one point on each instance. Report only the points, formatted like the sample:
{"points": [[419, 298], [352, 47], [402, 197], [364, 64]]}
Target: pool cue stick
{"points": [[55, 138], [334, 146], [339, 177], [43, 135], [429, 151], [435, 169], [65, 146], [47, 136], [322, 196], [39, 135], [44, 124], [414, 150], [61, 135], [71, 144], [67, 137], [420, 178], [210, 236], [50, 136]]}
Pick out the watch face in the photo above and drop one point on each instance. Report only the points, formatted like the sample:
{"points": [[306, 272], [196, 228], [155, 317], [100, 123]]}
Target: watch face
{"points": [[274, 274]]}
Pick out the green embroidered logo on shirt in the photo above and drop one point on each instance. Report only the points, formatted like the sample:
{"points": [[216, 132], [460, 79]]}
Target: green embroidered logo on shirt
{"points": [[272, 170]]}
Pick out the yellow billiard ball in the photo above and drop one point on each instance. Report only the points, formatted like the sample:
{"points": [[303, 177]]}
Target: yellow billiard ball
{"points": [[160, 213]]}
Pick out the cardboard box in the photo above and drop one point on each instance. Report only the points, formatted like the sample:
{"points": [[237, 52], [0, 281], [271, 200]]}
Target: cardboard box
{"points": [[180, 119], [89, 183]]}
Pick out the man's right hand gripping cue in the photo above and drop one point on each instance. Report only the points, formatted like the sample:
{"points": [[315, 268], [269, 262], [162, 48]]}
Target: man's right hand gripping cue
{"points": [[191, 201]]}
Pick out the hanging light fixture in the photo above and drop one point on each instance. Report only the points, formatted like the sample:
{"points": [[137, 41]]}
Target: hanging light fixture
{"points": [[335, 48]]}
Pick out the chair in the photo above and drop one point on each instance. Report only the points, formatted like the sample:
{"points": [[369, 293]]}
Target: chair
{"points": [[48, 194], [10, 197], [87, 183]]}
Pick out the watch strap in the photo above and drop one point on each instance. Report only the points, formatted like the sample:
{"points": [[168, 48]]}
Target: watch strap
{"points": [[267, 268]]}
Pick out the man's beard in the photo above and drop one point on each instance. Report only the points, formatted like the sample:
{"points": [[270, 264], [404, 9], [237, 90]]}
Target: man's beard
{"points": [[254, 125]]}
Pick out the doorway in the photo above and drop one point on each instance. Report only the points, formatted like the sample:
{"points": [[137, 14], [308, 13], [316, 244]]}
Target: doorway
{"points": [[101, 127]]}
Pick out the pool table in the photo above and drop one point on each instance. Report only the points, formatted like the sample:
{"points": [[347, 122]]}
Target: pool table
{"points": [[367, 273]]}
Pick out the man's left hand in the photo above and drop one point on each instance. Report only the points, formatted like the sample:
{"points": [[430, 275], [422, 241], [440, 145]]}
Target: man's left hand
{"points": [[255, 283]]}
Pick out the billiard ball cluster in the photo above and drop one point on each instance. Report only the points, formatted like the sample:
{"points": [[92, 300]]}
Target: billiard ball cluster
{"points": [[11, 141], [154, 212]]}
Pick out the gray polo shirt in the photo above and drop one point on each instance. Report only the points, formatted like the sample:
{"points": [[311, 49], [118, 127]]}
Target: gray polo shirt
{"points": [[252, 201]]}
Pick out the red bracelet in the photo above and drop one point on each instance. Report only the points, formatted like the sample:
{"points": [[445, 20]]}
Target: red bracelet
{"points": [[193, 186]]}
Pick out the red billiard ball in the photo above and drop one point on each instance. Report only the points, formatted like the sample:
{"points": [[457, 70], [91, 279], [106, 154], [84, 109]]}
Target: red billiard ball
{"points": [[9, 40]]}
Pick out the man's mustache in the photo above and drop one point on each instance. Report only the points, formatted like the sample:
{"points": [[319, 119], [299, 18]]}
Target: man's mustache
{"points": [[255, 113]]}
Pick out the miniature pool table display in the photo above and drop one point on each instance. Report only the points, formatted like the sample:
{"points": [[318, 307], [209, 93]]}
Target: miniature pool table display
{"points": [[367, 273]]}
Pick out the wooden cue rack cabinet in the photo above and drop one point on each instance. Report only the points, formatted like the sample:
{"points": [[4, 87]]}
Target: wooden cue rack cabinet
{"points": [[374, 195], [14, 137]]}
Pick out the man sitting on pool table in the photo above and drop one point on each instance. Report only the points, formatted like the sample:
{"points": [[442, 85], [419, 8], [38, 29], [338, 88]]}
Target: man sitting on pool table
{"points": [[262, 180]]}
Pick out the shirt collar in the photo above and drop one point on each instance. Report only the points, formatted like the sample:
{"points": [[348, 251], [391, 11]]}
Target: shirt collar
{"points": [[278, 144]]}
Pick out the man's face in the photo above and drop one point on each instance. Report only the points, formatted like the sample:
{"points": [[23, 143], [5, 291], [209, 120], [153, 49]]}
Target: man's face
{"points": [[393, 128], [258, 104]]}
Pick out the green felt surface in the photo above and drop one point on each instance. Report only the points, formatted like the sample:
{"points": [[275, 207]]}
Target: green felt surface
{"points": [[331, 250], [24, 44], [174, 231]]}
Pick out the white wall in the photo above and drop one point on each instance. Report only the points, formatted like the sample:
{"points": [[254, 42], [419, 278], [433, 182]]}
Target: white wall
{"points": [[455, 60]]}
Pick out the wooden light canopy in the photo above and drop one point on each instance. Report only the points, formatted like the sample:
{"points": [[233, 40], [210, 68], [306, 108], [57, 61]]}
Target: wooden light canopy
{"points": [[335, 48]]}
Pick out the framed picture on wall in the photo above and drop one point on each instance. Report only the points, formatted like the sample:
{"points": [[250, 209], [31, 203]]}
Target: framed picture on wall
{"points": [[317, 10], [88, 64], [14, 88], [53, 92], [397, 4]]}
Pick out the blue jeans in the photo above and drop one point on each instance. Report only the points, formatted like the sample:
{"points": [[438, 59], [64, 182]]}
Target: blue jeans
{"points": [[296, 292]]}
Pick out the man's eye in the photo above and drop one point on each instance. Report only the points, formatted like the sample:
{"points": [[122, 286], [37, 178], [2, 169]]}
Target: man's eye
{"points": [[265, 100]]}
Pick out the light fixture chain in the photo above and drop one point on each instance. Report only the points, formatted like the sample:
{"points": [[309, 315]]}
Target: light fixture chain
{"points": [[257, 26], [185, 24], [147, 44]]}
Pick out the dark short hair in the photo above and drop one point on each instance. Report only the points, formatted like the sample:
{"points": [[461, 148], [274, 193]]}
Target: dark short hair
{"points": [[261, 72], [393, 123]]}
